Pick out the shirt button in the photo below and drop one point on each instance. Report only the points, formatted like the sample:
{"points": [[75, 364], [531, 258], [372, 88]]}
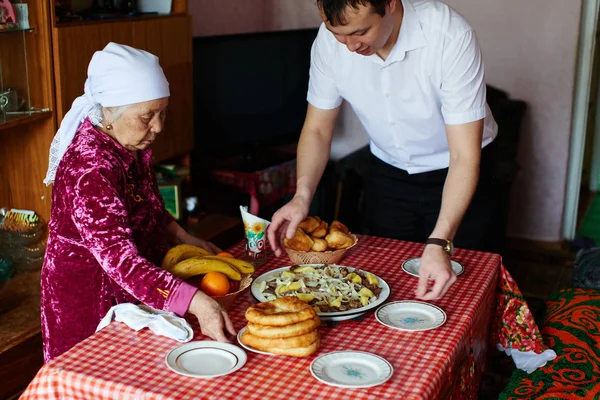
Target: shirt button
{"points": [[399, 147], [392, 123], [387, 94]]}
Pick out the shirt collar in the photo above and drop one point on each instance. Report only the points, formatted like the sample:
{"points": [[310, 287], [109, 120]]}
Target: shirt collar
{"points": [[122, 153], [411, 35]]}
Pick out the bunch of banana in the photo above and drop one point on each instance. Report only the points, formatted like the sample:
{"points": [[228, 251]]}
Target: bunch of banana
{"points": [[199, 265], [185, 261], [181, 252], [242, 266]]}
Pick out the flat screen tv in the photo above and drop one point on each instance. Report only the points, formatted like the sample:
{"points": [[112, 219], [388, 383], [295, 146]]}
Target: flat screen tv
{"points": [[250, 90]]}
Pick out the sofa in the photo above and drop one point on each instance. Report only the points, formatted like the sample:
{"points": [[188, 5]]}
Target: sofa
{"points": [[572, 328]]}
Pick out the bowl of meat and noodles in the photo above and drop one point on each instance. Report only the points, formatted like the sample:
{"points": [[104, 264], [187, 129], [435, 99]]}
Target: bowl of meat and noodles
{"points": [[336, 292]]}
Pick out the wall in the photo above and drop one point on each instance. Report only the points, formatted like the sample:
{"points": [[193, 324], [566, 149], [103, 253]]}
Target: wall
{"points": [[215, 17], [529, 50], [210, 18]]}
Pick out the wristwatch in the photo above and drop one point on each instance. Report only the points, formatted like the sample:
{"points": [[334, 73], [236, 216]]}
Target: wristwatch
{"points": [[446, 244]]}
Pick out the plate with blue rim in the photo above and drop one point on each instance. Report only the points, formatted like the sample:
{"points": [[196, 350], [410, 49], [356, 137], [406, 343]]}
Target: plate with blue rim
{"points": [[410, 315], [351, 369], [413, 265]]}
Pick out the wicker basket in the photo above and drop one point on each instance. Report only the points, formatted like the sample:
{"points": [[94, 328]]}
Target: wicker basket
{"points": [[318, 257], [227, 300]]}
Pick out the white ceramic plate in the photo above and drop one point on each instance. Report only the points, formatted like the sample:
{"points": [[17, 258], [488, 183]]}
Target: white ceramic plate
{"points": [[249, 348], [410, 315], [351, 369], [206, 359], [328, 316], [412, 266]]}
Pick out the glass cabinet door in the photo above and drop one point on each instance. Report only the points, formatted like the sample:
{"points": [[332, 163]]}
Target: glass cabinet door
{"points": [[15, 93]]}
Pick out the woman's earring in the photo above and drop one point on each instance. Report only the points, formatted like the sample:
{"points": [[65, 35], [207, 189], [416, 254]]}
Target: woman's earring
{"points": [[109, 127]]}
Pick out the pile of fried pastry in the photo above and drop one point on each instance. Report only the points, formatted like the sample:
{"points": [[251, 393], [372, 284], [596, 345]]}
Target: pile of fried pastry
{"points": [[286, 326], [314, 234]]}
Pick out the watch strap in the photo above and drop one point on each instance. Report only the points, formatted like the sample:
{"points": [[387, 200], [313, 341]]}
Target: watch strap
{"points": [[444, 243]]}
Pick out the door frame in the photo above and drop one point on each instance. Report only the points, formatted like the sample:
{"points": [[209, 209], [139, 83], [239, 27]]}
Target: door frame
{"points": [[583, 81]]}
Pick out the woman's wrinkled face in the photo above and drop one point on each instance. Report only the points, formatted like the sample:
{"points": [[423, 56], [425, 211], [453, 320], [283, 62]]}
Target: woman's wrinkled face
{"points": [[139, 124], [364, 32]]}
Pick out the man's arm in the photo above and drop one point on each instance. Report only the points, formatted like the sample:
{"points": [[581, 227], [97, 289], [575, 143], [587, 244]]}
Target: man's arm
{"points": [[464, 143], [314, 147]]}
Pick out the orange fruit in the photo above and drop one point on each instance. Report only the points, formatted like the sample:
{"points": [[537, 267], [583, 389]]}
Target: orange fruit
{"points": [[225, 254], [215, 284]]}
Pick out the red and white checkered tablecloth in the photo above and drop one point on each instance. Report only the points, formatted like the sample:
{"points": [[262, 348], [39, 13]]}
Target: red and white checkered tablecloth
{"points": [[119, 363]]}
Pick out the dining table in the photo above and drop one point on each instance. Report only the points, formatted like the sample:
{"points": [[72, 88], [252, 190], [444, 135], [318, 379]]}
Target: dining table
{"points": [[446, 362]]}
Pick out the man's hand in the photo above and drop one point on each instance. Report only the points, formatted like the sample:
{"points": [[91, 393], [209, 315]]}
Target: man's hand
{"points": [[212, 318], [435, 266], [285, 221]]}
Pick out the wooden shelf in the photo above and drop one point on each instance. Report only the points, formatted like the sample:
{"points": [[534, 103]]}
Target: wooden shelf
{"points": [[25, 118], [15, 30], [20, 334], [66, 24], [19, 309]]}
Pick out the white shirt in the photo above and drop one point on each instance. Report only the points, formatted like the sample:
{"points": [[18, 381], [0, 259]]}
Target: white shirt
{"points": [[433, 76]]}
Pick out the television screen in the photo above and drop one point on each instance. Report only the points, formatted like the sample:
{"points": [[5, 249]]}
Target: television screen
{"points": [[250, 89]]}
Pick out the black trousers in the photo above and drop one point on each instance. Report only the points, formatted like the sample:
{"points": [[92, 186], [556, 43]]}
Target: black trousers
{"points": [[406, 207]]}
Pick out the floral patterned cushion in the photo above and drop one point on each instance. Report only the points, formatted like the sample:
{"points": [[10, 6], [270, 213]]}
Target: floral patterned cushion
{"points": [[572, 329]]}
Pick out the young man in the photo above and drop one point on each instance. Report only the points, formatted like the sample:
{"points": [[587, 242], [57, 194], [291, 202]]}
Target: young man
{"points": [[413, 73]]}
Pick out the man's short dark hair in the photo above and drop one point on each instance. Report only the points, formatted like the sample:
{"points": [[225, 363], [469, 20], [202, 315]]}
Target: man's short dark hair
{"points": [[334, 9]]}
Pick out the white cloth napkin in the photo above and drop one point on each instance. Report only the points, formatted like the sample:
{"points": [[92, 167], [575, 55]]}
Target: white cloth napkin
{"points": [[529, 361], [160, 322]]}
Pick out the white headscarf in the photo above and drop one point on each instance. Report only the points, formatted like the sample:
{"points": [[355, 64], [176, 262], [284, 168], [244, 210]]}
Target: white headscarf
{"points": [[117, 76]]}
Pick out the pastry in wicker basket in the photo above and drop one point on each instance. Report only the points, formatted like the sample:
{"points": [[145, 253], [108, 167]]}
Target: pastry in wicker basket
{"points": [[315, 241]]}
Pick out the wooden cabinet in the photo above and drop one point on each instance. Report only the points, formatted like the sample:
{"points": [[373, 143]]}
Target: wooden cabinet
{"points": [[49, 63], [55, 57], [26, 66], [168, 37]]}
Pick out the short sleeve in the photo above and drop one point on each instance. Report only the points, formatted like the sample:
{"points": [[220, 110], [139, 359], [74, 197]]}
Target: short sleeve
{"points": [[322, 89], [463, 91]]}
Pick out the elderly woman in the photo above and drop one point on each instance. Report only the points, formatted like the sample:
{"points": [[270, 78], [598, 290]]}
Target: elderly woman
{"points": [[109, 228]]}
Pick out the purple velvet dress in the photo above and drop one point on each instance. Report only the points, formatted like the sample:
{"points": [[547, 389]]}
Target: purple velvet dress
{"points": [[107, 236]]}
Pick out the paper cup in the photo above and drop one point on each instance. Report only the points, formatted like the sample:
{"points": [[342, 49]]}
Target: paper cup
{"points": [[255, 229]]}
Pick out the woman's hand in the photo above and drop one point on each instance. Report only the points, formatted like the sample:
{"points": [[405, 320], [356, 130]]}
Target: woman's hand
{"points": [[178, 235], [285, 222], [212, 318], [208, 246]]}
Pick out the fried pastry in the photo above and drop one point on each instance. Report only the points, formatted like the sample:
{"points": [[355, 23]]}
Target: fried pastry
{"points": [[310, 224], [300, 241], [319, 245], [339, 240], [290, 342], [321, 231], [295, 352], [278, 332], [337, 226], [285, 310]]}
